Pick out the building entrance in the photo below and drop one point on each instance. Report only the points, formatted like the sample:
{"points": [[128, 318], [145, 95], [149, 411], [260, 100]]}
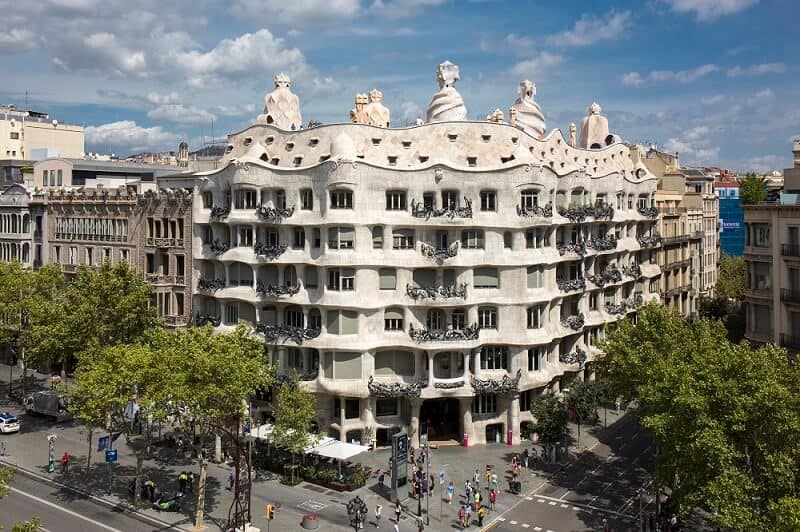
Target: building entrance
{"points": [[441, 418]]}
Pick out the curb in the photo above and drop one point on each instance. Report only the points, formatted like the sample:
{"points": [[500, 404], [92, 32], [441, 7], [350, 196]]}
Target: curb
{"points": [[130, 510]]}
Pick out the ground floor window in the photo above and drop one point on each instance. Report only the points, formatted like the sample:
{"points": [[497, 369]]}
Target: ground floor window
{"points": [[484, 404], [386, 407]]}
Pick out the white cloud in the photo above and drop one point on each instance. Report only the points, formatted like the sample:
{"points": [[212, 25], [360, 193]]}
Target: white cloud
{"points": [[708, 10], [234, 110], [763, 163], [180, 114], [17, 41], [536, 66], [127, 137], [757, 70], [635, 79], [151, 98], [394, 9], [712, 100], [762, 97], [519, 43], [325, 85], [299, 12], [411, 111], [589, 30]]}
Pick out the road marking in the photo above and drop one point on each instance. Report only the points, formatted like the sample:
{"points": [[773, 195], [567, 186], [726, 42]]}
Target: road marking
{"points": [[565, 494], [552, 503], [312, 506], [501, 519], [585, 506], [537, 528], [528, 498], [540, 500], [513, 522], [57, 507], [565, 505], [576, 508], [525, 525]]}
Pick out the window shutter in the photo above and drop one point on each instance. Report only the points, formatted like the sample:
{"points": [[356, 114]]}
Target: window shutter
{"points": [[388, 278], [485, 278]]}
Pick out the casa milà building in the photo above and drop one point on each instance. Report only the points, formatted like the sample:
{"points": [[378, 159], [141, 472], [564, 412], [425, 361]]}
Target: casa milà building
{"points": [[433, 278]]}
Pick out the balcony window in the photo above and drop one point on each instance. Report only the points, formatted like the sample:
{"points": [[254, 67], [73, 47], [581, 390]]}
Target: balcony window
{"points": [[762, 275], [434, 320], [424, 278], [535, 276], [244, 236], [311, 277], [535, 238], [494, 357], [535, 317], [317, 240], [484, 404], [429, 200], [293, 316], [403, 239], [395, 200], [536, 358], [246, 199], [486, 278], [377, 237], [387, 278], [341, 237], [760, 235], [488, 200], [341, 199], [487, 317], [472, 239], [450, 199], [458, 319], [508, 239], [394, 363], [341, 279], [529, 199], [299, 238], [232, 313], [290, 276], [306, 199], [342, 322], [393, 319], [762, 320], [314, 319]]}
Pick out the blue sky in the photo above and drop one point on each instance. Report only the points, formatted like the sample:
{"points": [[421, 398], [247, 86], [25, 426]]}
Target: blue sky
{"points": [[716, 80]]}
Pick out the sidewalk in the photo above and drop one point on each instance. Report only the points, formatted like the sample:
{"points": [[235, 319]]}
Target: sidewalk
{"points": [[28, 450]]}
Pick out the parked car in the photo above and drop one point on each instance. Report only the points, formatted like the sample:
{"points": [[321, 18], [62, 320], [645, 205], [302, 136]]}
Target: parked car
{"points": [[8, 422]]}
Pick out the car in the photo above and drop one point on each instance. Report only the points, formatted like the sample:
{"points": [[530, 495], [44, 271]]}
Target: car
{"points": [[8, 422]]}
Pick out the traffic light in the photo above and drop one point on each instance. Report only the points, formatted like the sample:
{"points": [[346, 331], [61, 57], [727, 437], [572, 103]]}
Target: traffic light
{"points": [[270, 512]]}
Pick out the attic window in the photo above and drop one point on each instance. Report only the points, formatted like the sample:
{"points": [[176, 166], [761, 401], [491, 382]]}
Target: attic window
{"points": [[297, 161], [360, 156], [392, 160], [289, 146], [558, 141], [514, 140], [472, 161], [486, 138], [313, 142], [376, 141], [423, 158], [324, 157], [544, 154], [229, 148], [508, 159], [452, 137], [270, 140], [275, 161], [248, 141], [406, 144], [264, 157]]}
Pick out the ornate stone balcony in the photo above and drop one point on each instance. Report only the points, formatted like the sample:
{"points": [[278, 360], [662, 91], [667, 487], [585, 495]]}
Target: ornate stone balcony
{"points": [[218, 247], [493, 386], [570, 285], [635, 301], [273, 215], [632, 270], [420, 210], [616, 308], [394, 389], [468, 333], [579, 213], [536, 211], [270, 251], [273, 333], [287, 376], [440, 254], [578, 248], [443, 292], [272, 290], [210, 285], [203, 319], [648, 241], [605, 243], [575, 322], [220, 212], [578, 356], [609, 275], [649, 212]]}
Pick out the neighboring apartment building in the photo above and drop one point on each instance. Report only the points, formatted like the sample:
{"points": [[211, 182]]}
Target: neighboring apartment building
{"points": [[731, 217], [27, 134], [433, 278], [17, 227], [61, 172], [772, 253]]}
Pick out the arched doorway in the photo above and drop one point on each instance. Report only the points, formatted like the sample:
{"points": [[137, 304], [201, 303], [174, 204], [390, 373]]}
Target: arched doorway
{"points": [[441, 419]]}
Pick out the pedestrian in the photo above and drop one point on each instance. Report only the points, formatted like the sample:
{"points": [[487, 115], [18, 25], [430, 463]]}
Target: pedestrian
{"points": [[605, 525], [462, 516], [230, 481], [476, 478], [5, 447], [150, 488], [431, 484], [396, 528], [450, 492], [378, 516], [191, 481], [525, 457], [488, 474], [381, 479], [481, 514], [468, 519], [493, 498], [397, 511], [494, 481], [65, 463], [477, 500], [420, 525], [183, 478]]}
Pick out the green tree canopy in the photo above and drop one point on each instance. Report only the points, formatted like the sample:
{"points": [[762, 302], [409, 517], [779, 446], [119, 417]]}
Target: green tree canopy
{"points": [[752, 189], [731, 278], [583, 398], [727, 417], [551, 419], [294, 411]]}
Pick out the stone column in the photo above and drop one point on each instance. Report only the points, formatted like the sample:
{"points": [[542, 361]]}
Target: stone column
{"points": [[413, 427], [465, 403], [227, 273], [513, 418], [342, 431], [476, 358], [255, 276], [430, 368]]}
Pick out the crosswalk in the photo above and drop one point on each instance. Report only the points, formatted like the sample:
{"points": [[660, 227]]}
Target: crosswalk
{"points": [[557, 503]]}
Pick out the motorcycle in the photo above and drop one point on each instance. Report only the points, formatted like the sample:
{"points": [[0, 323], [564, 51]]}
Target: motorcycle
{"points": [[163, 504]]}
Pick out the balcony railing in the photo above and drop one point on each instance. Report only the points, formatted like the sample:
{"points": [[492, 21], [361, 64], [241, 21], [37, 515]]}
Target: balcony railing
{"points": [[286, 376], [164, 242], [218, 247], [575, 322], [579, 213], [671, 211], [790, 296], [273, 333], [176, 321], [443, 292], [760, 292], [471, 332], [760, 336], [792, 342], [649, 212], [273, 215], [220, 212], [570, 285], [648, 241], [273, 290], [790, 250], [203, 319], [440, 254], [677, 290], [420, 210], [632, 270], [270, 251], [678, 264], [535, 211], [160, 278], [669, 240], [609, 275], [604, 243], [578, 356], [578, 248], [210, 285]]}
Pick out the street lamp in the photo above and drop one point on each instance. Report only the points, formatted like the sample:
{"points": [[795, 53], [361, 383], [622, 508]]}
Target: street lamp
{"points": [[357, 512]]}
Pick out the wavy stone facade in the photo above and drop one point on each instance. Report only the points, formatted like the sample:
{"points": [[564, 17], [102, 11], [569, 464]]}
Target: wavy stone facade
{"points": [[443, 274]]}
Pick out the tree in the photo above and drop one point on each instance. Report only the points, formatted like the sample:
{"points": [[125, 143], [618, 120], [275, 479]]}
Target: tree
{"points": [[551, 420], [582, 399], [294, 412], [752, 189], [732, 276], [727, 417]]}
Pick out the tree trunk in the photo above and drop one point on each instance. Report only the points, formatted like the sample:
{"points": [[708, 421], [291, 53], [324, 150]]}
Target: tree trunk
{"points": [[217, 448], [24, 373], [89, 455], [201, 495], [137, 487]]}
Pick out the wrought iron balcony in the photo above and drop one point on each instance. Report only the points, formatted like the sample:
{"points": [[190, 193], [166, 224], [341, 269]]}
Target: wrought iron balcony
{"points": [[420, 210], [218, 247], [604, 243], [210, 285], [616, 308], [790, 296], [468, 333], [609, 275], [220, 212], [507, 384], [203, 319], [579, 213], [578, 248], [635, 301], [444, 292], [273, 290], [573, 357], [536, 211], [649, 212], [632, 270], [602, 211], [287, 376], [270, 251], [675, 290], [273, 333], [570, 285], [648, 241], [440, 254], [790, 250], [273, 214], [394, 389], [678, 264], [575, 322], [792, 342]]}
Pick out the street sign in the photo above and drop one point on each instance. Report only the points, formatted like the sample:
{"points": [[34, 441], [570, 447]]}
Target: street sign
{"points": [[102, 443], [111, 455]]}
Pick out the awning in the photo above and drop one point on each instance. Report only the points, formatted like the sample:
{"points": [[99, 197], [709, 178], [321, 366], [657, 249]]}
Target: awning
{"points": [[337, 449]]}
